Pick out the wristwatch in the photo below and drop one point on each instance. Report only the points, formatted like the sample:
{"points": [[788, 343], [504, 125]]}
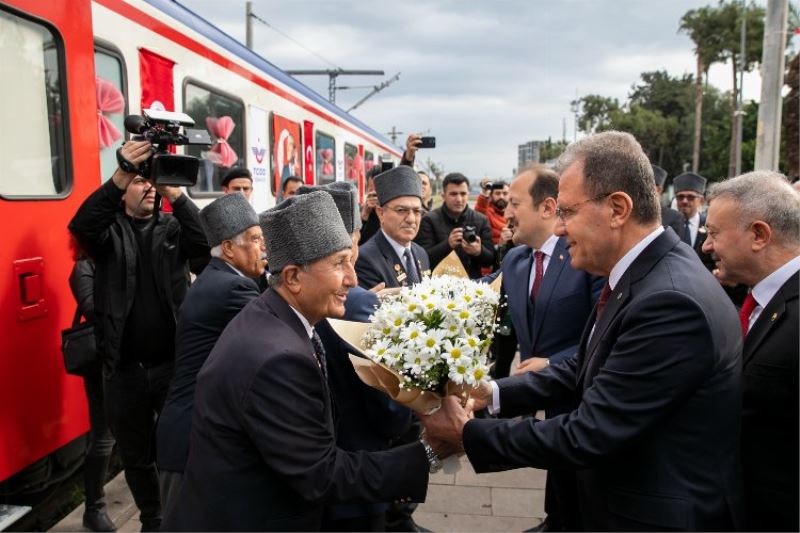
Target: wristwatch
{"points": [[433, 459]]}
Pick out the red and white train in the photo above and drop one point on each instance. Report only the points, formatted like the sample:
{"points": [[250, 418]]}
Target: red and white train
{"points": [[71, 70]]}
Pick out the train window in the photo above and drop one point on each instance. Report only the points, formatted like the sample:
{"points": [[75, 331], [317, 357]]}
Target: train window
{"points": [[352, 163], [223, 117], [326, 158], [111, 107], [34, 105], [369, 161]]}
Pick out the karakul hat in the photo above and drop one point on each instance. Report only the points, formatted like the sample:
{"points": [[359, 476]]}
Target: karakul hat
{"points": [[302, 229], [660, 175], [226, 217], [689, 181], [345, 196], [399, 181], [236, 172]]}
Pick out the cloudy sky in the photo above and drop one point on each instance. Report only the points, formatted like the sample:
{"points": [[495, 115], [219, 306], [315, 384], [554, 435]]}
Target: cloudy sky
{"points": [[481, 76]]}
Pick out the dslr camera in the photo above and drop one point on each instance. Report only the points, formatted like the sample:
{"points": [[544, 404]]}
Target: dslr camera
{"points": [[163, 129], [470, 234]]}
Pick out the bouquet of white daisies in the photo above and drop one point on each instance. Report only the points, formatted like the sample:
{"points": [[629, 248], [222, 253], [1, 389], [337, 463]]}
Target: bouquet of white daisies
{"points": [[427, 341]]}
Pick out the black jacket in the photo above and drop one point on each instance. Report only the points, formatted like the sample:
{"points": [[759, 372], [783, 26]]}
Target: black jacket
{"points": [[656, 393], [435, 228], [263, 454], [102, 228], [216, 296], [81, 282]]}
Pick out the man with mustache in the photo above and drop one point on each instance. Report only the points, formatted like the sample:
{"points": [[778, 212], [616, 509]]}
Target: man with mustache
{"points": [[263, 454], [391, 256], [226, 285], [492, 204], [141, 280]]}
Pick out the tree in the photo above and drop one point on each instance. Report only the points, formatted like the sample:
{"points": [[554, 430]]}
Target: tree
{"points": [[550, 150], [731, 15], [700, 24], [595, 111]]}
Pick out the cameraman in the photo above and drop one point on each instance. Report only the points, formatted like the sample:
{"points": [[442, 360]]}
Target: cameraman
{"points": [[454, 226], [141, 279]]}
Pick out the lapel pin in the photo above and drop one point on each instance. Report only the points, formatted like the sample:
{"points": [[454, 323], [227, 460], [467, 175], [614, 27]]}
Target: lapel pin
{"points": [[397, 268], [774, 316], [560, 257], [619, 296]]}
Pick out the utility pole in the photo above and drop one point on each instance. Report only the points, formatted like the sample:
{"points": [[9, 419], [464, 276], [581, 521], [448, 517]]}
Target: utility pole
{"points": [[564, 129], [739, 104], [575, 107], [394, 134], [768, 134], [249, 24], [332, 75]]}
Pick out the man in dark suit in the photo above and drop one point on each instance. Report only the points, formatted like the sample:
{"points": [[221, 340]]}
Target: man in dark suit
{"points": [[754, 236], [263, 454], [690, 189], [366, 419], [391, 256], [549, 303], [656, 384], [224, 287], [669, 217]]}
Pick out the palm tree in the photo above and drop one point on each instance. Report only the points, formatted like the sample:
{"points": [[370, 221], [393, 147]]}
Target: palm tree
{"points": [[701, 26]]}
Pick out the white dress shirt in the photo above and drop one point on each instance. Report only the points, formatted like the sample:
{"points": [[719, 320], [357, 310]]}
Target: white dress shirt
{"points": [[306, 323], [766, 289], [399, 249], [694, 225]]}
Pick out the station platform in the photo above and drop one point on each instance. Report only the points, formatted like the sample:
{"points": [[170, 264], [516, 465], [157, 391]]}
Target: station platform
{"points": [[463, 501]]}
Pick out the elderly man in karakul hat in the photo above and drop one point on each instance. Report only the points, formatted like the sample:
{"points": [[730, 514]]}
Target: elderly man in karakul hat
{"points": [[225, 286], [264, 454], [390, 256], [669, 217]]}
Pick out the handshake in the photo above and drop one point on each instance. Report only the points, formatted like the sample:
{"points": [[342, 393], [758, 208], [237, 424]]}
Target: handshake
{"points": [[444, 429]]}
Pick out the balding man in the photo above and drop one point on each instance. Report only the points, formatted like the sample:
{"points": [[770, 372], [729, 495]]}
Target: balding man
{"points": [[653, 436], [754, 237]]}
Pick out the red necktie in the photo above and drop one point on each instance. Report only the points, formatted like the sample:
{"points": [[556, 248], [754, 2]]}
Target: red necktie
{"points": [[745, 312], [538, 273], [602, 301]]}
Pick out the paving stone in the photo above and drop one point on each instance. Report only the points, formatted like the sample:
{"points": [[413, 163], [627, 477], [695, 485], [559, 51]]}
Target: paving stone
{"points": [[455, 499], [526, 478], [518, 502], [445, 522]]}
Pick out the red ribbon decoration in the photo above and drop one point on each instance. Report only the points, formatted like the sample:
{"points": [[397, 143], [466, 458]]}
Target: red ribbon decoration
{"points": [[109, 100]]}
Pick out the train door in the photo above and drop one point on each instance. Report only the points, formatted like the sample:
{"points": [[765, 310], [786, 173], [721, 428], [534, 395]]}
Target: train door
{"points": [[49, 153]]}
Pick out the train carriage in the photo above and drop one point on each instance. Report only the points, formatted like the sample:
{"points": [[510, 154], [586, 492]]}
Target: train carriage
{"points": [[71, 71]]}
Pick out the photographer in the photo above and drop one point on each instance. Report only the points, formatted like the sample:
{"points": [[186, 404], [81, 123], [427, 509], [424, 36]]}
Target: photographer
{"points": [[141, 279], [492, 203], [454, 226]]}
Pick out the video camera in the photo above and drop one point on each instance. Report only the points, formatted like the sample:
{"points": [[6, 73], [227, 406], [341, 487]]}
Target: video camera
{"points": [[163, 129]]}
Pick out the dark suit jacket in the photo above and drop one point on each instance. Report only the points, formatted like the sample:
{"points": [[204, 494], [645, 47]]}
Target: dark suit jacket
{"points": [[672, 219], [378, 262], [366, 418], [657, 392], [263, 455], [552, 328], [770, 415], [215, 297]]}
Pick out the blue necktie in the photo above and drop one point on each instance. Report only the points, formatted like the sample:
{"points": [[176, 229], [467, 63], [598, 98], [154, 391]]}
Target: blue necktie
{"points": [[411, 269]]}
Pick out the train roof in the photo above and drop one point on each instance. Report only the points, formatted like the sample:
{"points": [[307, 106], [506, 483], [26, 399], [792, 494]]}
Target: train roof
{"points": [[205, 28]]}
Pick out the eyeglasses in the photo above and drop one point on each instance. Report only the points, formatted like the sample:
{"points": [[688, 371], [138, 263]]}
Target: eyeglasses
{"points": [[404, 211], [687, 197], [565, 213]]}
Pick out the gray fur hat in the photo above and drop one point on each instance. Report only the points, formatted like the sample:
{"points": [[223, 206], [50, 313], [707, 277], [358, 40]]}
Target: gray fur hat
{"points": [[399, 181], [302, 229], [660, 175], [689, 181], [345, 196], [226, 217]]}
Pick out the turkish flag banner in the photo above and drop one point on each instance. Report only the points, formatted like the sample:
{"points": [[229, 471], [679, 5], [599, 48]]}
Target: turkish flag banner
{"points": [[158, 90], [308, 150]]}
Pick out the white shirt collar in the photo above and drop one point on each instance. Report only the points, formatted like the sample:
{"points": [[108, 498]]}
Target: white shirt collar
{"points": [[628, 259], [398, 248], [306, 323], [232, 267], [695, 220], [766, 289], [549, 246]]}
